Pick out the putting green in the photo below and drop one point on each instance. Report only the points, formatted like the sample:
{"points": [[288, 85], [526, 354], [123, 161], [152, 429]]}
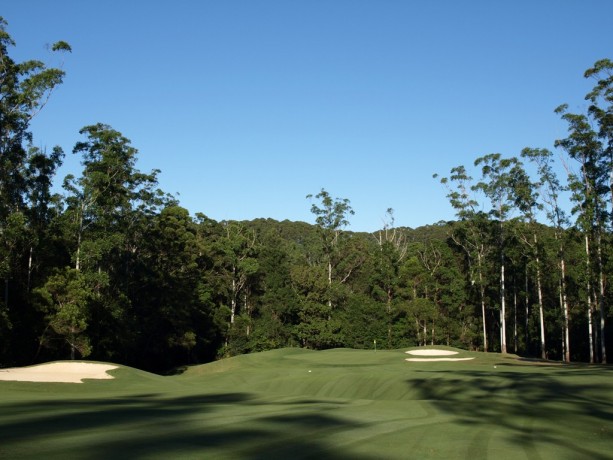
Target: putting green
{"points": [[294, 403]]}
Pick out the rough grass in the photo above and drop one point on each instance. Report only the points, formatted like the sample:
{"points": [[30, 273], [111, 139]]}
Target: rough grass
{"points": [[352, 404]]}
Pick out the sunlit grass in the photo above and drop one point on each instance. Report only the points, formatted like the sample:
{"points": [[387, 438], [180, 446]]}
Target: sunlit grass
{"points": [[294, 403]]}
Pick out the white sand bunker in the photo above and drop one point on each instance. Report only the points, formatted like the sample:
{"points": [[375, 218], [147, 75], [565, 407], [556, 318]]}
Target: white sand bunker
{"points": [[61, 372], [436, 355], [422, 360], [432, 352]]}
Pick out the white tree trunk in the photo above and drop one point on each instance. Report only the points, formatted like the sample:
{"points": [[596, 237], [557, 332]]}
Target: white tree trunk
{"points": [[514, 318], [603, 351], [503, 312], [541, 309], [233, 301], [565, 310], [589, 298], [482, 294]]}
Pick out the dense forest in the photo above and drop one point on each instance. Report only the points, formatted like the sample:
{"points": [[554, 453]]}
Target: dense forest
{"points": [[114, 269]]}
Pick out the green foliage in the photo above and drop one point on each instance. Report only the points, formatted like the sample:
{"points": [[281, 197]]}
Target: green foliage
{"points": [[318, 328], [331, 214], [26, 175], [117, 270], [365, 321], [64, 300]]}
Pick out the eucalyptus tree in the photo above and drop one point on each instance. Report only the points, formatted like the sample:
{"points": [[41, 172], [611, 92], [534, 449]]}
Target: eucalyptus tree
{"points": [[43, 206], [589, 189], [239, 247], [276, 301], [419, 309], [331, 216], [392, 250], [442, 287], [109, 193], [526, 195], [25, 88], [319, 279], [601, 110], [550, 189], [430, 294], [496, 185], [105, 211], [470, 233], [590, 144]]}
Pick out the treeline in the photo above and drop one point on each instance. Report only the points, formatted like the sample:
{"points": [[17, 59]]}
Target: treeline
{"points": [[115, 269]]}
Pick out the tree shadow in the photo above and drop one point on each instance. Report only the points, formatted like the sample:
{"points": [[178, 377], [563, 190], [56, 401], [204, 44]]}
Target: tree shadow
{"points": [[538, 409], [230, 425]]}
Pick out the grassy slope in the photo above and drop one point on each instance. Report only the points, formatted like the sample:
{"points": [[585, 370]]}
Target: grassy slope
{"points": [[352, 404]]}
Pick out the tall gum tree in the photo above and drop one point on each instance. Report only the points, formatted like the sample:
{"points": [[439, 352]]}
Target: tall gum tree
{"points": [[25, 174], [392, 251], [496, 185], [469, 233], [550, 190], [526, 200], [109, 190], [590, 144], [104, 207], [589, 189], [331, 216], [238, 263], [601, 111], [321, 282]]}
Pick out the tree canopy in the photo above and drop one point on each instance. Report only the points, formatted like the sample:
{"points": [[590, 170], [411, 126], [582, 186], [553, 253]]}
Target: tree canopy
{"points": [[114, 269]]}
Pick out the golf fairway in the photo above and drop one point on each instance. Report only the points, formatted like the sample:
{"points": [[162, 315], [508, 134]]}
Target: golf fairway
{"points": [[343, 404]]}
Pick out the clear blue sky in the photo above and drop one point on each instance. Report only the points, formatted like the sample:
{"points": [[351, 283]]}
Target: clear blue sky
{"points": [[247, 106]]}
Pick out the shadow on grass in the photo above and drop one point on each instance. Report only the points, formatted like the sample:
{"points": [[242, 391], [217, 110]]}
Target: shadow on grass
{"points": [[549, 409], [230, 425]]}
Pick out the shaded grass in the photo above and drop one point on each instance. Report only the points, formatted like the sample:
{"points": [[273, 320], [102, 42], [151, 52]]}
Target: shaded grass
{"points": [[352, 404]]}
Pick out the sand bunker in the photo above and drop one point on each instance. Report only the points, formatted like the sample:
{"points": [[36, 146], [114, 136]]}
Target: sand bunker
{"points": [[417, 360], [432, 352], [62, 372], [437, 355]]}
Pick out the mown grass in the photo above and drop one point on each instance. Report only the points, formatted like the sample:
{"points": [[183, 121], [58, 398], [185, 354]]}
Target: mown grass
{"points": [[294, 403]]}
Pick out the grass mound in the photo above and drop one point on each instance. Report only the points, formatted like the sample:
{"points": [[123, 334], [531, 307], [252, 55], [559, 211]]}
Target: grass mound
{"points": [[305, 404]]}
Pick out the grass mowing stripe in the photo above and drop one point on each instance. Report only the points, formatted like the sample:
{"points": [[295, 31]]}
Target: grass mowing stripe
{"points": [[353, 404]]}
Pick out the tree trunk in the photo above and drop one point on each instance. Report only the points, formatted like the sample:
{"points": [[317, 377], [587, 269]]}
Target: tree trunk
{"points": [[603, 352], [527, 306], [330, 282], [389, 318], [30, 267], [503, 306], [514, 317], [589, 298], [432, 334], [233, 301], [249, 312], [541, 309], [564, 300], [425, 333], [79, 236], [482, 295], [503, 312], [72, 347], [6, 292]]}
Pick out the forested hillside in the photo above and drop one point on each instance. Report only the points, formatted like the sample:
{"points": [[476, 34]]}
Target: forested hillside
{"points": [[114, 269]]}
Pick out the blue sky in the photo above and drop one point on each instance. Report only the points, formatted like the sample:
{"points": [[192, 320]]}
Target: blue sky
{"points": [[247, 106]]}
